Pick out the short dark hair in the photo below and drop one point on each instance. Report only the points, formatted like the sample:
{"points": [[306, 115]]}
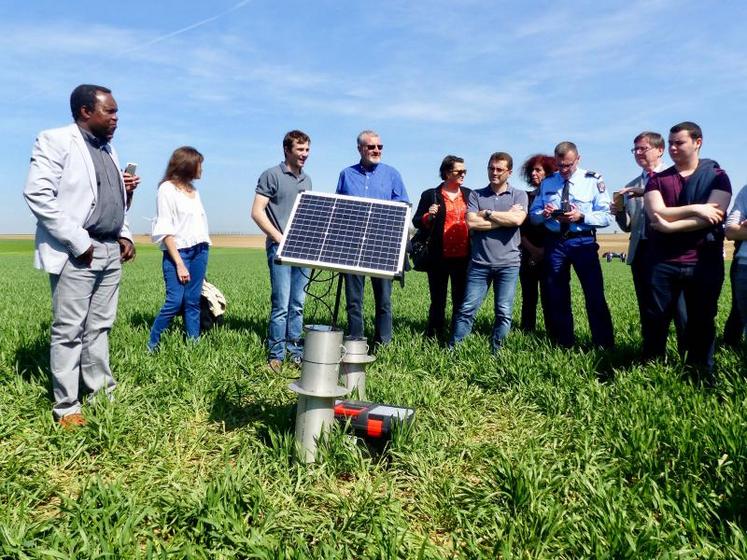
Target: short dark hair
{"points": [[502, 156], [85, 96], [447, 165], [564, 147], [183, 165], [546, 162], [654, 138], [691, 128], [294, 136]]}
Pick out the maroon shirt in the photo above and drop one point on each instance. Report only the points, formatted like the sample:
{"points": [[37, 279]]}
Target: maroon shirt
{"points": [[685, 247]]}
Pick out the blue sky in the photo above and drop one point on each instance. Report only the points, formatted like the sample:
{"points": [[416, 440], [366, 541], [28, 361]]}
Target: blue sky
{"points": [[434, 78]]}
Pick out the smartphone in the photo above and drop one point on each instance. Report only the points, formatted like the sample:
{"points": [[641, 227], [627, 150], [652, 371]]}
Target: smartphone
{"points": [[557, 212], [131, 168]]}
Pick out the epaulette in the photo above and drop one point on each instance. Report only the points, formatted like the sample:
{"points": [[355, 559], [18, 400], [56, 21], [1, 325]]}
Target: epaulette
{"points": [[593, 174]]}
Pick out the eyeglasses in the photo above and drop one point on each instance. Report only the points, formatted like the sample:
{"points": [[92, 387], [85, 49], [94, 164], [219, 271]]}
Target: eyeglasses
{"points": [[498, 170], [565, 165], [460, 172], [374, 146], [640, 150]]}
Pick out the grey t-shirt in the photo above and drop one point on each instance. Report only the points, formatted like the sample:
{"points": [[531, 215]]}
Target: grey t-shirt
{"points": [[281, 187], [499, 246]]}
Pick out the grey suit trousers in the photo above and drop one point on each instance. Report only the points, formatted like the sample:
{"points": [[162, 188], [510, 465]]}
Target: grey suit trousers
{"points": [[84, 306]]}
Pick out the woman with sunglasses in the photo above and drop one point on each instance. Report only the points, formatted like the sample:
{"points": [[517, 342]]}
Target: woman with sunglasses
{"points": [[534, 170], [442, 212], [181, 230]]}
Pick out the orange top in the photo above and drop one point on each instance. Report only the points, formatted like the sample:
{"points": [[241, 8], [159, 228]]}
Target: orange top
{"points": [[456, 232]]}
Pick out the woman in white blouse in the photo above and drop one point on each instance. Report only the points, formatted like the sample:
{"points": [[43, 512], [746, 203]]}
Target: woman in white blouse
{"points": [[181, 230]]}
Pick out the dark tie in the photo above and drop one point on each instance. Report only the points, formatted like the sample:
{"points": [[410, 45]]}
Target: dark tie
{"points": [[565, 205]]}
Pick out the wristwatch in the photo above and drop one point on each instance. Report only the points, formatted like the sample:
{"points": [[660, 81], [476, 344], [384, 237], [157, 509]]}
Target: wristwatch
{"points": [[488, 213]]}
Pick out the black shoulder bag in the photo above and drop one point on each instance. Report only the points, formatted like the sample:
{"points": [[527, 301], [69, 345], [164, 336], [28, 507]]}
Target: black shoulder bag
{"points": [[421, 250]]}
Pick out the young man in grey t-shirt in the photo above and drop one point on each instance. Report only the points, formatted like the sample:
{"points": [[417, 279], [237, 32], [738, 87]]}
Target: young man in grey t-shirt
{"points": [[276, 192], [494, 215]]}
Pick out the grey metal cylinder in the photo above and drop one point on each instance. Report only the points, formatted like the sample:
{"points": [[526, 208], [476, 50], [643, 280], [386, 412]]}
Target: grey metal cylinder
{"points": [[354, 378], [353, 370], [317, 388], [322, 344], [315, 416]]}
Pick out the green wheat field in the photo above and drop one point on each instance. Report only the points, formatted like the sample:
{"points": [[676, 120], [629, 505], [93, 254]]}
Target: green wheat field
{"points": [[536, 453]]}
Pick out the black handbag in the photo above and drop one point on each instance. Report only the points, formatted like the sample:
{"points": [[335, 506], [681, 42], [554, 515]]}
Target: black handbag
{"points": [[421, 250]]}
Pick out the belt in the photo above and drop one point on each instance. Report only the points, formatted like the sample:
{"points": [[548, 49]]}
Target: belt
{"points": [[574, 234], [102, 238]]}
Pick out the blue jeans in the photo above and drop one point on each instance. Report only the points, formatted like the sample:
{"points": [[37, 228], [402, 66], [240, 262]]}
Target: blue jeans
{"points": [[479, 278], [700, 283], [178, 295], [382, 290], [641, 269], [286, 314], [740, 290]]}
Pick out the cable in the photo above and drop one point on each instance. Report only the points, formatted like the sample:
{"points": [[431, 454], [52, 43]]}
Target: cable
{"points": [[317, 278]]}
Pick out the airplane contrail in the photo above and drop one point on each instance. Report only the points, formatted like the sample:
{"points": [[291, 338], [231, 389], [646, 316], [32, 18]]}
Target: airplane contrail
{"points": [[185, 29], [152, 42]]}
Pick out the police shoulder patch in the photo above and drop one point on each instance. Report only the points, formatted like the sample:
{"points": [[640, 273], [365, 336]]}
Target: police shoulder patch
{"points": [[600, 184]]}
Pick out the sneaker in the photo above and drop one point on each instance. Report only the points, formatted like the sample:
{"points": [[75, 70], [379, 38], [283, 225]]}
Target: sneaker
{"points": [[296, 362]]}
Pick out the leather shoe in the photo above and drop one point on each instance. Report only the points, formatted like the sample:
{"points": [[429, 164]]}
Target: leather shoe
{"points": [[275, 365], [72, 421]]}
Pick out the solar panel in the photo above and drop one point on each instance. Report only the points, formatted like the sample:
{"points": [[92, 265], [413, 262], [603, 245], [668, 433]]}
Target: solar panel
{"points": [[347, 234]]}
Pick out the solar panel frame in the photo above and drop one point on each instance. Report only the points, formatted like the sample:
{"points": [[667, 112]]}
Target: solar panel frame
{"points": [[346, 234]]}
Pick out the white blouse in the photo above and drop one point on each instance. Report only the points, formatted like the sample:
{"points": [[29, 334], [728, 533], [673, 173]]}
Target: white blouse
{"points": [[181, 216]]}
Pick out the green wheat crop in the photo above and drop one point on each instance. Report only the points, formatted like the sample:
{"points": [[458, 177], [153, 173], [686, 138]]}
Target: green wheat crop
{"points": [[536, 453]]}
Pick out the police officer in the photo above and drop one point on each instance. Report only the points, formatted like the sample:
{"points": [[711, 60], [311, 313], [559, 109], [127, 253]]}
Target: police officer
{"points": [[571, 204]]}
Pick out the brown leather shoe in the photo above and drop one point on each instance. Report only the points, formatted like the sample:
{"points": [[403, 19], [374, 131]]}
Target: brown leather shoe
{"points": [[275, 365], [72, 421]]}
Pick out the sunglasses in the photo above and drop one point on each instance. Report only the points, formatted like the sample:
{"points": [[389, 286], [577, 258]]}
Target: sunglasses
{"points": [[374, 146], [460, 172]]}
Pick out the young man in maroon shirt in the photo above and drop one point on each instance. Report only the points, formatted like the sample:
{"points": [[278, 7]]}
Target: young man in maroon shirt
{"points": [[686, 205]]}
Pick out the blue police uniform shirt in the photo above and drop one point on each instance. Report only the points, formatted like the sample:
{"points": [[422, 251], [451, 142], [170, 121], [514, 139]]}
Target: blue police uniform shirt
{"points": [[587, 191], [381, 181]]}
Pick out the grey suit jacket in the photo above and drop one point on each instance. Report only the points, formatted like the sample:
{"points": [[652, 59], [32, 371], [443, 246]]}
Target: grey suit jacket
{"points": [[633, 219], [61, 192]]}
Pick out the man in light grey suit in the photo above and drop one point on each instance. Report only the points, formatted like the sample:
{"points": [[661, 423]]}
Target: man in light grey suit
{"points": [[78, 194], [627, 206]]}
